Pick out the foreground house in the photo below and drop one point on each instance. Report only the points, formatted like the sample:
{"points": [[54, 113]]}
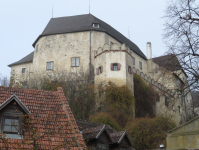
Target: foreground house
{"points": [[85, 45], [185, 136], [103, 137], [37, 119]]}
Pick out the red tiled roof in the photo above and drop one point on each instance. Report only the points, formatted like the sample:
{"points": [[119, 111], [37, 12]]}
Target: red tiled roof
{"points": [[45, 108]]}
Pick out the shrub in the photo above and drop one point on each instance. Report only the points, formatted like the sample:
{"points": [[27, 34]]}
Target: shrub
{"points": [[120, 103], [105, 118], [148, 133]]}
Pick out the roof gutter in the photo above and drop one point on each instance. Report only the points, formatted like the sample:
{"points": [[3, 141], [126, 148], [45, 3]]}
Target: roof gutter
{"points": [[90, 53]]}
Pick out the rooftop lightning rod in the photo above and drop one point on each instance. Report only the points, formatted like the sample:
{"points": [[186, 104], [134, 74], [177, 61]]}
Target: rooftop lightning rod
{"points": [[89, 6], [129, 33], [52, 10]]}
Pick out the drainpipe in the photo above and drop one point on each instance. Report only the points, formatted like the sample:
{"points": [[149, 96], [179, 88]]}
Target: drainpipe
{"points": [[90, 54], [185, 107]]}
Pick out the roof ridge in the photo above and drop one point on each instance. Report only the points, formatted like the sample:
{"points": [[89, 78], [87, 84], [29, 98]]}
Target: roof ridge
{"points": [[71, 16]]}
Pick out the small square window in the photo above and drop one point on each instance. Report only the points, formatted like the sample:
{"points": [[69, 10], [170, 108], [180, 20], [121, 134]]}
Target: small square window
{"points": [[23, 70], [99, 70], [133, 61], [11, 125], [140, 65], [75, 62], [37, 47], [111, 43], [115, 67], [96, 25], [50, 65]]}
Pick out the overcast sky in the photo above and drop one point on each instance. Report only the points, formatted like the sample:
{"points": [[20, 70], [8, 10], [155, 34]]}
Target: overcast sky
{"points": [[22, 21]]}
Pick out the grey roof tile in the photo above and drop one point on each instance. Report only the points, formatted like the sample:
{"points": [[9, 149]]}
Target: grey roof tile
{"points": [[84, 23], [28, 58]]}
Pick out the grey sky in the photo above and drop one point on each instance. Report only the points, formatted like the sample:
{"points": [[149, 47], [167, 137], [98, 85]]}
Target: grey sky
{"points": [[22, 21]]}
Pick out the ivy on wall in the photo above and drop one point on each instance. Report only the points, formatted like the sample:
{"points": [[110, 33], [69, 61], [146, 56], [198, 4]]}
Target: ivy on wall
{"points": [[145, 98], [119, 103]]}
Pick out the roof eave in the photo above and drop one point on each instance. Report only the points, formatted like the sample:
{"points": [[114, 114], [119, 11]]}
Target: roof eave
{"points": [[13, 64], [93, 29]]}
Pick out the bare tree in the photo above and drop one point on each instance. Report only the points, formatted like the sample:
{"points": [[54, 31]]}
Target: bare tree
{"points": [[181, 35], [4, 81]]}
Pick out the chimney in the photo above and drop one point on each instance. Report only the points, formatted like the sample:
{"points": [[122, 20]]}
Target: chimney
{"points": [[149, 50], [149, 59]]}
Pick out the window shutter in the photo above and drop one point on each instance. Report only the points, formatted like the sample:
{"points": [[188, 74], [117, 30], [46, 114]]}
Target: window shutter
{"points": [[101, 69], [131, 70], [111, 66], [96, 71], [118, 66]]}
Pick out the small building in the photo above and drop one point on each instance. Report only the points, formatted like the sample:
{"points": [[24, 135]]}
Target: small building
{"points": [[185, 136], [103, 137], [37, 119]]}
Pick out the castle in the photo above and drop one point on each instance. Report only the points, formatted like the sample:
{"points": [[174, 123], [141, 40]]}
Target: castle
{"points": [[85, 44]]}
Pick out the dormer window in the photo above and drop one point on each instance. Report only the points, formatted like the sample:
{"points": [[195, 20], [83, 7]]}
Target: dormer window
{"points": [[12, 113], [11, 125], [95, 25]]}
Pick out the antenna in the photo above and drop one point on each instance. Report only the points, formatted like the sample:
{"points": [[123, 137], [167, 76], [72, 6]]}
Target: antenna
{"points": [[89, 6], [52, 10], [129, 33]]}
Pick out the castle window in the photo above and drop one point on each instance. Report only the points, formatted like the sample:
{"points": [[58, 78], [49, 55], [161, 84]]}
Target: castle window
{"points": [[166, 101], [96, 25], [37, 47], [23, 70], [75, 62], [111, 43], [50, 65], [140, 65], [115, 66], [99, 70], [177, 84], [130, 69], [133, 61], [179, 109]]}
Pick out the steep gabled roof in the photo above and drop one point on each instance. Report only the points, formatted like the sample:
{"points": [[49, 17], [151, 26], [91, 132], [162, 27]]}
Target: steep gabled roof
{"points": [[95, 132], [43, 104], [81, 23], [14, 97], [118, 137], [28, 58], [169, 62], [92, 130]]}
